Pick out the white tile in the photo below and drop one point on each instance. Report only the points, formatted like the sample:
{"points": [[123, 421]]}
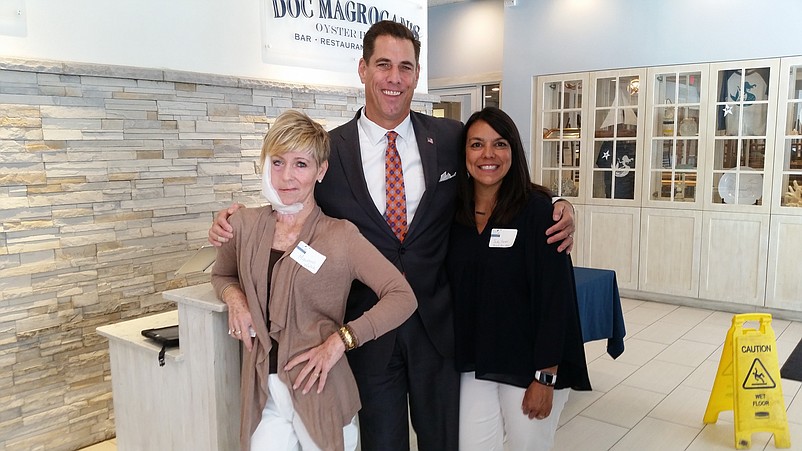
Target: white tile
{"points": [[662, 332], [638, 352], [703, 376], [657, 435], [794, 410], [633, 328], [595, 349], [686, 352], [791, 333], [721, 318], [784, 350], [629, 304], [658, 376], [659, 306], [587, 434], [623, 406], [685, 405], [606, 374], [708, 332], [687, 316], [717, 437], [645, 315], [577, 402]]}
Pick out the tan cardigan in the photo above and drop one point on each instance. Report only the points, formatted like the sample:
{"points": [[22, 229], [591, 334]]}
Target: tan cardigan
{"points": [[305, 309]]}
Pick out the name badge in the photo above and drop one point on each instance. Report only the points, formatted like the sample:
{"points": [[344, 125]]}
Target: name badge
{"points": [[307, 257], [503, 237]]}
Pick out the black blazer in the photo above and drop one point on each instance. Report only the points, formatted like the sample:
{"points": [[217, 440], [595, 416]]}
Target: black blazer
{"points": [[344, 194]]}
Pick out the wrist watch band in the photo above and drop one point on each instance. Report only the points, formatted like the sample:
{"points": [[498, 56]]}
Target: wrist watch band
{"points": [[545, 378]]}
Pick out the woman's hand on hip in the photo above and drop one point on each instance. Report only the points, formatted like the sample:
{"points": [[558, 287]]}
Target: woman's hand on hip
{"points": [[319, 361]]}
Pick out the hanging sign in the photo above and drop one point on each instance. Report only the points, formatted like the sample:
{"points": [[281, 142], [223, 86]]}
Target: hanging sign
{"points": [[326, 35]]}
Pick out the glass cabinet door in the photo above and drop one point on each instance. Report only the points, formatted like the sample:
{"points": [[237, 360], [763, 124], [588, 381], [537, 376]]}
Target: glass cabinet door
{"points": [[616, 111], [739, 122], [673, 135], [560, 119], [789, 148]]}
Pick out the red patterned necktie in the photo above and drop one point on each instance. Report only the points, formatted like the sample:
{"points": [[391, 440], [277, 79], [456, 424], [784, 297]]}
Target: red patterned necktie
{"points": [[395, 212]]}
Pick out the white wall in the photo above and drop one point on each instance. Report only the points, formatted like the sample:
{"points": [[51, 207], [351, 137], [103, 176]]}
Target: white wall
{"points": [[466, 42], [558, 36], [207, 36]]}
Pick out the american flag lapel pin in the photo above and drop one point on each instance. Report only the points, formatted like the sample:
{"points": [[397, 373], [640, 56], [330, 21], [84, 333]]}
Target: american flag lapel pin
{"points": [[430, 140]]}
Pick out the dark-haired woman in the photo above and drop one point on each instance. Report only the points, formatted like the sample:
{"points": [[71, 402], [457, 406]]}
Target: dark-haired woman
{"points": [[519, 342]]}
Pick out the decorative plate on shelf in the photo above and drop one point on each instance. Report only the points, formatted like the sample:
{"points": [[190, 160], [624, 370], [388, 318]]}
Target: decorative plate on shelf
{"points": [[750, 189]]}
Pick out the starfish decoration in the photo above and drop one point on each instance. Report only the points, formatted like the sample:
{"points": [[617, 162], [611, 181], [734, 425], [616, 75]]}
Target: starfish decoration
{"points": [[606, 155], [727, 110]]}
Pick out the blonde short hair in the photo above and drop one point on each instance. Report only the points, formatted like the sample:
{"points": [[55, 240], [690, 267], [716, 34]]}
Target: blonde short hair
{"points": [[294, 131]]}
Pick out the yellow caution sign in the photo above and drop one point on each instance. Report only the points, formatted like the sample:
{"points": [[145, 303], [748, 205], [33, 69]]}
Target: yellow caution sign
{"points": [[748, 382]]}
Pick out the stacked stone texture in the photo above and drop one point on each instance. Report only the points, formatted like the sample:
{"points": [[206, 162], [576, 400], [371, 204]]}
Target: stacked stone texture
{"points": [[109, 179]]}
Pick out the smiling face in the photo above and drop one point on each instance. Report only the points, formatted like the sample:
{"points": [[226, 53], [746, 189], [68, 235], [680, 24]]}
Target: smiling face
{"points": [[390, 78], [294, 175], [488, 156]]}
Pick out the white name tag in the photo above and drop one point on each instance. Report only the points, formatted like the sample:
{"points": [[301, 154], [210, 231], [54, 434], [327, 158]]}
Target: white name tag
{"points": [[308, 257], [503, 237]]}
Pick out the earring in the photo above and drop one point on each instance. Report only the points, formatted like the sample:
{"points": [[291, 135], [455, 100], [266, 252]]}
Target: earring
{"points": [[320, 180]]}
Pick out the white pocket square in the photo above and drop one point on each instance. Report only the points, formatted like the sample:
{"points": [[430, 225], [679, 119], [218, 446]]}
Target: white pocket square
{"points": [[445, 176]]}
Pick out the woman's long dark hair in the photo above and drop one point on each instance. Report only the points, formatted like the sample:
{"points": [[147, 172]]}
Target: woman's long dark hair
{"points": [[516, 186]]}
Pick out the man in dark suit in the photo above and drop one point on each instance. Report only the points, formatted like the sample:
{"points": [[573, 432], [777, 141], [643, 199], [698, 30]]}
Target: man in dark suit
{"points": [[413, 365]]}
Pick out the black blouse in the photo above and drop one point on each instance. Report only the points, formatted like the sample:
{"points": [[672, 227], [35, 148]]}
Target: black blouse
{"points": [[516, 308]]}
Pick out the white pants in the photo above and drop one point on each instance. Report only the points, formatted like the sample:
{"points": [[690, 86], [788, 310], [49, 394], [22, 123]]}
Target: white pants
{"points": [[490, 412], [281, 429]]}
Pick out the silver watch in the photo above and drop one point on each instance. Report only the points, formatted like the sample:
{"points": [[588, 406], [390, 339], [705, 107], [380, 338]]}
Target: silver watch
{"points": [[547, 379]]}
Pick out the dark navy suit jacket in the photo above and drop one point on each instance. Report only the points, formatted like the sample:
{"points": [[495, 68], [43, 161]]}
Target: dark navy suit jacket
{"points": [[421, 257]]}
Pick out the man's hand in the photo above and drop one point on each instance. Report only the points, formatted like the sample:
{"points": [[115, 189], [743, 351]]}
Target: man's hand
{"points": [[221, 231], [563, 229]]}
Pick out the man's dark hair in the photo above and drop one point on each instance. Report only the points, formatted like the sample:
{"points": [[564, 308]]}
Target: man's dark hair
{"points": [[388, 28]]}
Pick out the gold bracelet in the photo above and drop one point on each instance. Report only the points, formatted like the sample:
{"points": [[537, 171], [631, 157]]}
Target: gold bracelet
{"points": [[348, 338]]}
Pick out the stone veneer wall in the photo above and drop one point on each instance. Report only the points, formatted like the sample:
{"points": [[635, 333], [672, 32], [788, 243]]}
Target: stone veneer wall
{"points": [[109, 178]]}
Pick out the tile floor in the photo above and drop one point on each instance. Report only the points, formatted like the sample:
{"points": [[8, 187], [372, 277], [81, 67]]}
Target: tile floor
{"points": [[653, 397]]}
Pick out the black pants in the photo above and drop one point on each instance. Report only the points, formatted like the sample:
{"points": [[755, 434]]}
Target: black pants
{"points": [[420, 377]]}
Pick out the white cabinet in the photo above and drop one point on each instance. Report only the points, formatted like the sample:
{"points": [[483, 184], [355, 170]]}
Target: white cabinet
{"points": [[788, 154], [670, 246], [741, 129], [615, 163], [612, 237], [687, 180], [674, 139], [784, 284], [559, 116], [734, 250]]}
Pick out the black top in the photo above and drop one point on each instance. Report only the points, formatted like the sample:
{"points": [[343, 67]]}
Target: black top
{"points": [[515, 307], [272, 356]]}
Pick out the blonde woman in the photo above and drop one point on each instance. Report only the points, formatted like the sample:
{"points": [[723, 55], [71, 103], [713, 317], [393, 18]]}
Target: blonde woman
{"points": [[285, 277]]}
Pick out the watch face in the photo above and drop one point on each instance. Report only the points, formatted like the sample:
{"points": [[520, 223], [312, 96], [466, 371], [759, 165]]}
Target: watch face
{"points": [[546, 378]]}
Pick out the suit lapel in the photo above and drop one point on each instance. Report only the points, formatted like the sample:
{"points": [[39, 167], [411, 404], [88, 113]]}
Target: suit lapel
{"points": [[427, 146], [351, 161]]}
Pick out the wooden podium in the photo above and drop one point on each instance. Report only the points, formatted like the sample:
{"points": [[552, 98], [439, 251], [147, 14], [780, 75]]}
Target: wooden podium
{"points": [[193, 401]]}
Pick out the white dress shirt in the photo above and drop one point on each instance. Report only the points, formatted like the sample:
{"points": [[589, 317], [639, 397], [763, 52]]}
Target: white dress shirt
{"points": [[373, 146]]}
